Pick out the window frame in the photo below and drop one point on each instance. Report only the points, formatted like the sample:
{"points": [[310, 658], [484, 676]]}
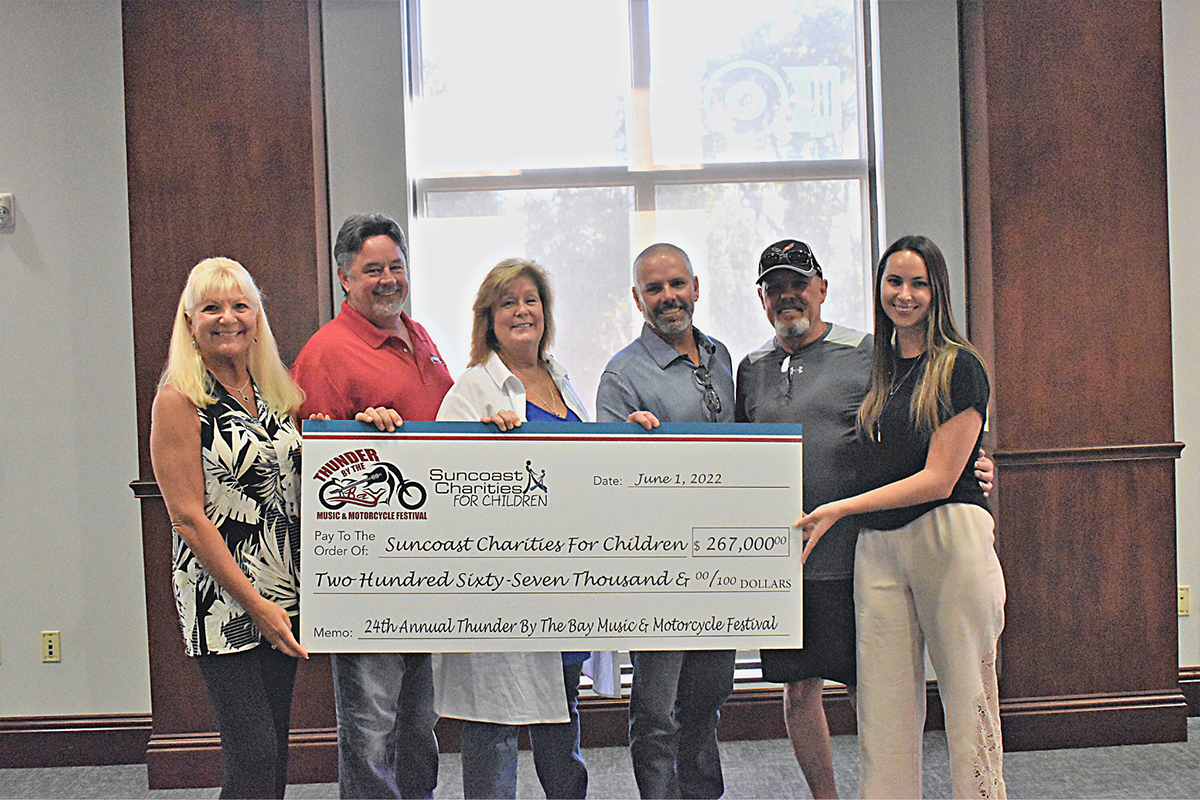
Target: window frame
{"points": [[867, 171], [644, 180]]}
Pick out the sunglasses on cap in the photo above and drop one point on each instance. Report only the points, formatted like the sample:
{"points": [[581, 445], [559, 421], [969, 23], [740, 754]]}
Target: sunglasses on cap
{"points": [[788, 254]]}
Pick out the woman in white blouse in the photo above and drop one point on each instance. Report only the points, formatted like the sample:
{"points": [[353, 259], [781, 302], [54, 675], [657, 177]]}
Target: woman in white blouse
{"points": [[511, 379]]}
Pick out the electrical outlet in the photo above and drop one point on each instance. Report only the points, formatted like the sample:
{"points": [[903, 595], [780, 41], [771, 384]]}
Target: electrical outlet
{"points": [[51, 647], [1185, 600]]}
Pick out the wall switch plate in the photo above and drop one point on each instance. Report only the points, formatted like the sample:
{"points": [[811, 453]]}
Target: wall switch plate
{"points": [[51, 647], [8, 213], [1185, 600]]}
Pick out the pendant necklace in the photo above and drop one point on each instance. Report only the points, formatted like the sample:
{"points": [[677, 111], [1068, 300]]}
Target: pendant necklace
{"points": [[241, 391], [896, 388], [553, 409], [892, 393]]}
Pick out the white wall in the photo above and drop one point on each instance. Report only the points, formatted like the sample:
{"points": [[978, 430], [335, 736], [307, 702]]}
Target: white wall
{"points": [[921, 170], [922, 149], [364, 113], [1181, 30], [70, 558]]}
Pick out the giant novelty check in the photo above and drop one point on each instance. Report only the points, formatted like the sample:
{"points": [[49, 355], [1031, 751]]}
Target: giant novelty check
{"points": [[452, 537]]}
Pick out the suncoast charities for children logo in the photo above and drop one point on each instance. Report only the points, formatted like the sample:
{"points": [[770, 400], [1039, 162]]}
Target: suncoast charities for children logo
{"points": [[492, 488], [359, 478]]}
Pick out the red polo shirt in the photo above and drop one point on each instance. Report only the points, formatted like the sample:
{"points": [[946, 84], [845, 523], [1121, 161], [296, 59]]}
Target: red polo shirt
{"points": [[349, 365]]}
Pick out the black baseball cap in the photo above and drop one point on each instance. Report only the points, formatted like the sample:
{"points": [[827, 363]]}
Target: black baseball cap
{"points": [[789, 254]]}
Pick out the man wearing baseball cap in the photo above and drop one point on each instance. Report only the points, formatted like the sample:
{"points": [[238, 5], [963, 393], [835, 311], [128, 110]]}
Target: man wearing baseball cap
{"points": [[816, 373]]}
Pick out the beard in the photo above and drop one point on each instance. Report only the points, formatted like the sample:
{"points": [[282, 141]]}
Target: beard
{"points": [[387, 303], [675, 327], [792, 330]]}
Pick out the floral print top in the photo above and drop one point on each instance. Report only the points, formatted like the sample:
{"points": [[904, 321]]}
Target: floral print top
{"points": [[252, 494]]}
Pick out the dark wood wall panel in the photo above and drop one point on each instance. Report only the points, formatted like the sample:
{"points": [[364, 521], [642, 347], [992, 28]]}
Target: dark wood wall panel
{"points": [[1077, 169], [1073, 566], [1069, 289], [226, 154], [221, 132]]}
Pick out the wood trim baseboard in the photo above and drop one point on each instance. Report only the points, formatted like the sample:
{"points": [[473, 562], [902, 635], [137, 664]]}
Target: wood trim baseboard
{"points": [[752, 713], [1102, 720], [80, 741], [1189, 684], [194, 760]]}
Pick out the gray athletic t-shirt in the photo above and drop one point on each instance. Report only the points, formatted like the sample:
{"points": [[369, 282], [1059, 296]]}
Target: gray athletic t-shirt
{"points": [[820, 386]]}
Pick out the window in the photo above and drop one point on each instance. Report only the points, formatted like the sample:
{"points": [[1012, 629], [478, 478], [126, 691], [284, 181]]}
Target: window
{"points": [[577, 133]]}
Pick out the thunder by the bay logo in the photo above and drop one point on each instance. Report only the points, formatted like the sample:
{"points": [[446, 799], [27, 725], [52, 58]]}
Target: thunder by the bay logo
{"points": [[360, 478], [492, 488]]}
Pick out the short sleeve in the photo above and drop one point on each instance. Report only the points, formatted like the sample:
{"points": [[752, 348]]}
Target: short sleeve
{"points": [[969, 386], [456, 408]]}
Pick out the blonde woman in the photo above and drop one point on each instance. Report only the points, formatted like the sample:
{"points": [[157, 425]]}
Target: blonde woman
{"points": [[226, 449], [926, 572]]}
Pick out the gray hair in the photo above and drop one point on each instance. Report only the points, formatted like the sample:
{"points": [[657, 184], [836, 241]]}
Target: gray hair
{"points": [[358, 228]]}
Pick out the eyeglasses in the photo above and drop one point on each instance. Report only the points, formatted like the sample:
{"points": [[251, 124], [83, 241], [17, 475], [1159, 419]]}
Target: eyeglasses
{"points": [[712, 401], [786, 369]]}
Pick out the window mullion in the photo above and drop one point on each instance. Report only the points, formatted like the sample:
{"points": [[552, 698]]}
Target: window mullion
{"points": [[645, 181], [642, 153]]}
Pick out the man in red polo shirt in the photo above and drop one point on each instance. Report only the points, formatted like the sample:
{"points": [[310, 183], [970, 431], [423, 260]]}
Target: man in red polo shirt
{"points": [[372, 358]]}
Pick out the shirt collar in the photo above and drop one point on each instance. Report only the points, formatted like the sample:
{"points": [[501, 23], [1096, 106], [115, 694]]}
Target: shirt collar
{"points": [[824, 335], [664, 354], [366, 330], [500, 373]]}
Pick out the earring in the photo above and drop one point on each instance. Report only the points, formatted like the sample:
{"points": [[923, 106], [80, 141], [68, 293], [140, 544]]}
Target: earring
{"points": [[193, 344]]}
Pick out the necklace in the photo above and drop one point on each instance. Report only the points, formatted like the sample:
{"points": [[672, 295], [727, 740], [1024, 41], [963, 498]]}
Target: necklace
{"points": [[241, 391], [553, 404], [897, 386], [892, 393]]}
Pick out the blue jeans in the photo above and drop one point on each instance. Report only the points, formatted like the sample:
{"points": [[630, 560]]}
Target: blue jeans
{"points": [[489, 753], [673, 713], [385, 719]]}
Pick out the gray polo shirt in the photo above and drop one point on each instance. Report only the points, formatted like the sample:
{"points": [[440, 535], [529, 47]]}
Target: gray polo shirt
{"points": [[651, 375], [820, 386]]}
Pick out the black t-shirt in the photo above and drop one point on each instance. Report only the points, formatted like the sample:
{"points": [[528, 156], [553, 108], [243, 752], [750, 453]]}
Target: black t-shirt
{"points": [[899, 450]]}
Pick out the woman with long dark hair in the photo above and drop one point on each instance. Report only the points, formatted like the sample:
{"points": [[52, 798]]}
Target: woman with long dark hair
{"points": [[926, 572]]}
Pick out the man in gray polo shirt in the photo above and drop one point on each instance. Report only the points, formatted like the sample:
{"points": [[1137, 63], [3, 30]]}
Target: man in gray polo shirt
{"points": [[680, 375]]}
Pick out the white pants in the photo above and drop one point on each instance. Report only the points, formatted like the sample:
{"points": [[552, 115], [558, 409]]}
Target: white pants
{"points": [[935, 582]]}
